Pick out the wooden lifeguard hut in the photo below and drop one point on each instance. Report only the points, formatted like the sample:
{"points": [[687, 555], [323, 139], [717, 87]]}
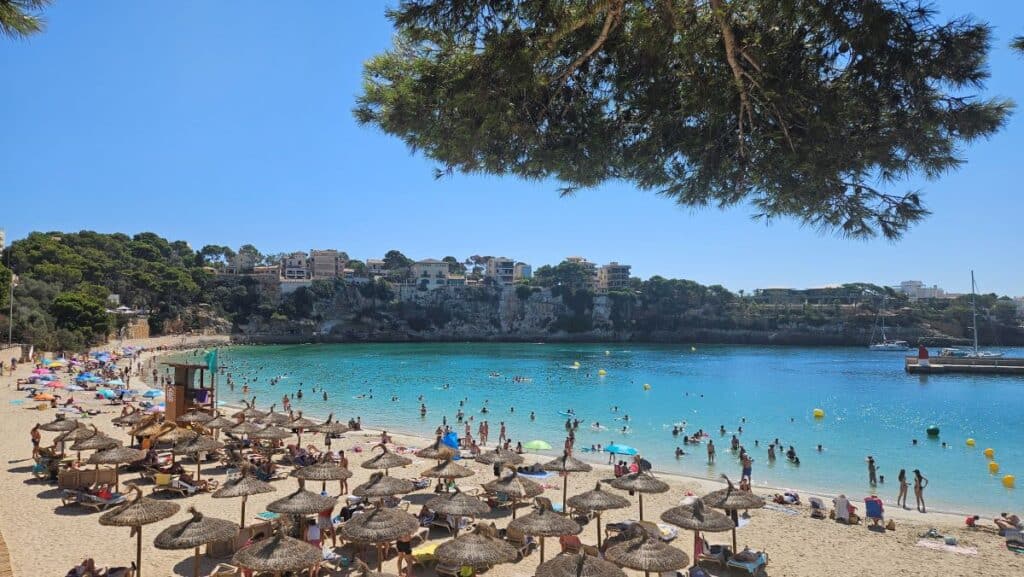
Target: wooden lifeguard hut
{"points": [[189, 390]]}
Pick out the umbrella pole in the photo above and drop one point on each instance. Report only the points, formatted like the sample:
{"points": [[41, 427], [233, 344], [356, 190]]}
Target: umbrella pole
{"points": [[598, 529], [735, 522], [542, 539], [195, 564], [380, 559], [565, 487], [244, 497], [641, 506], [199, 465], [117, 479], [514, 503], [138, 551], [323, 486]]}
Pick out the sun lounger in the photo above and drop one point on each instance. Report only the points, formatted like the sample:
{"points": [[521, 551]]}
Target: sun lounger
{"points": [[225, 570], [817, 508], [520, 541], [164, 482], [716, 554], [99, 503], [754, 566]]}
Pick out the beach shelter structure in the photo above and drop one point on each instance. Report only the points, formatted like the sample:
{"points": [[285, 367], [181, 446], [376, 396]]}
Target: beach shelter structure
{"points": [[480, 548], [578, 565], [246, 428], [301, 502], [59, 425], [596, 501], [323, 472], [117, 456], [278, 554], [731, 500], [300, 424], [448, 470], [129, 419], [499, 456], [332, 427], [380, 486], [437, 451], [545, 523], [250, 412], [695, 517], [270, 433], [217, 423], [647, 554], [386, 460], [195, 416], [136, 513], [566, 464], [242, 486], [457, 504], [197, 531], [275, 418], [515, 487], [377, 527], [640, 483], [196, 445]]}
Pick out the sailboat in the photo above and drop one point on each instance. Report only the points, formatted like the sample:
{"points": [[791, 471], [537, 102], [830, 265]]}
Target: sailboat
{"points": [[887, 344], [972, 353]]}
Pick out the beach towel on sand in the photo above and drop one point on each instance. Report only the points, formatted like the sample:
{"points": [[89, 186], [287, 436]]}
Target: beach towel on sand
{"points": [[938, 546]]}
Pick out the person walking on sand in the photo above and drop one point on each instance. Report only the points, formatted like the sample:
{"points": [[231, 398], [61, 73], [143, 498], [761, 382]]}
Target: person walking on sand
{"points": [[711, 452], [748, 467], [36, 438], [901, 498], [920, 482]]}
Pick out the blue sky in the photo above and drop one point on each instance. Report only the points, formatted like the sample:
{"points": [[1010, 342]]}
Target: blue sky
{"points": [[230, 122]]}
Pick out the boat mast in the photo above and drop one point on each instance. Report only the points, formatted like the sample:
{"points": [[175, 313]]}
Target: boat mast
{"points": [[881, 315], [974, 315]]}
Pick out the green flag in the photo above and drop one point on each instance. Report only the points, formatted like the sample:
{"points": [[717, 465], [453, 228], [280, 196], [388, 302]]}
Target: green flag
{"points": [[211, 360]]}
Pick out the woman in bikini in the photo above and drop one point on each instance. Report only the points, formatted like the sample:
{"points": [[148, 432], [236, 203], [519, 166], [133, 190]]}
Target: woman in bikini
{"points": [[920, 482], [901, 499]]}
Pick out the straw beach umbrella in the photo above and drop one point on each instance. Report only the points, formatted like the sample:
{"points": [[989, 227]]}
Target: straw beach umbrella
{"points": [[278, 554], [250, 411], [386, 460], [499, 456], [242, 486], [640, 483], [59, 425], [597, 500], [129, 419], [270, 433], [197, 531], [219, 422], [578, 565], [448, 470], [95, 442], [480, 548], [275, 418], [515, 487], [380, 486], [332, 427], [566, 464], [117, 456], [325, 471], [731, 499], [301, 502], [457, 504], [437, 451], [300, 424], [378, 526], [196, 445], [696, 517], [195, 417], [136, 513], [647, 554], [545, 523]]}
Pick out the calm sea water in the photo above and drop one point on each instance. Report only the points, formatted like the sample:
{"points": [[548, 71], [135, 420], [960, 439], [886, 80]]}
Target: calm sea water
{"points": [[872, 406]]}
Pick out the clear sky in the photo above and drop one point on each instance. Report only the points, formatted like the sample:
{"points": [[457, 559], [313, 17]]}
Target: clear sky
{"points": [[230, 122]]}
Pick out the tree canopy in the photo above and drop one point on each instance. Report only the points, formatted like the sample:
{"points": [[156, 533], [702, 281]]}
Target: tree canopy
{"points": [[814, 110], [21, 18]]}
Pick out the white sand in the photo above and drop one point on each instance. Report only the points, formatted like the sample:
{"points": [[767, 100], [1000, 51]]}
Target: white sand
{"points": [[47, 539]]}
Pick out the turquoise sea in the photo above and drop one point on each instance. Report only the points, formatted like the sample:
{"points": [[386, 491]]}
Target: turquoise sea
{"points": [[872, 406]]}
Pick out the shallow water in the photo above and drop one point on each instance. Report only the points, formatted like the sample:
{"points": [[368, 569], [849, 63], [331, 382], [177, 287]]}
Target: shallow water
{"points": [[872, 406]]}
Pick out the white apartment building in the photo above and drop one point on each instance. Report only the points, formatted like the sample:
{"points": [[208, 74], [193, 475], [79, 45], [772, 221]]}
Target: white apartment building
{"points": [[915, 289], [502, 270], [588, 267], [613, 276], [295, 266], [430, 273], [375, 267]]}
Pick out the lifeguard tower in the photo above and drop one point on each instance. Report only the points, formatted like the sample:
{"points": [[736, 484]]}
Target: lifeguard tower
{"points": [[189, 390]]}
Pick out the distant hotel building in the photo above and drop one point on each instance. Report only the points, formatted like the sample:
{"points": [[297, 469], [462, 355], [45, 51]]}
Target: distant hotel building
{"points": [[501, 270], [612, 277], [430, 273], [375, 267], [915, 289], [326, 264], [589, 268]]}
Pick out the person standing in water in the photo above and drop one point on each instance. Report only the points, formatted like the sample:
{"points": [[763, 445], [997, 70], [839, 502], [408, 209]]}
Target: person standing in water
{"points": [[872, 471], [711, 452], [901, 498], [920, 482]]}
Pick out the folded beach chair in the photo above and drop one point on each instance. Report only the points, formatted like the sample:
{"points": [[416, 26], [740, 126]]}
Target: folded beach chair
{"points": [[752, 562], [817, 508], [874, 510], [520, 541], [164, 482]]}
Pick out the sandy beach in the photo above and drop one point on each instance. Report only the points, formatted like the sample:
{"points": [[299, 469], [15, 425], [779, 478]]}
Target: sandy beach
{"points": [[45, 538]]}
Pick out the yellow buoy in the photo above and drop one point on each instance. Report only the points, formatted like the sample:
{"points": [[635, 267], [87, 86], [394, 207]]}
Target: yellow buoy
{"points": [[647, 387], [1009, 481], [602, 372], [970, 442], [819, 413], [989, 453], [993, 467]]}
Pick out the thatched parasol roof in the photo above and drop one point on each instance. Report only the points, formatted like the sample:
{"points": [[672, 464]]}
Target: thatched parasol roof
{"points": [[597, 500], [271, 433], [148, 426], [302, 502], [219, 422], [647, 554], [696, 516], [546, 523], [437, 451], [198, 444], [567, 464], [578, 565], [275, 418], [195, 416], [380, 485], [325, 471], [196, 531], [80, 433], [448, 470], [131, 418], [500, 456], [732, 499], [514, 486], [301, 422], [278, 554], [171, 433], [250, 411], [96, 441], [242, 486], [332, 427], [378, 526], [385, 460], [458, 503], [245, 428], [478, 548], [642, 482], [139, 511], [59, 425], [117, 456]]}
